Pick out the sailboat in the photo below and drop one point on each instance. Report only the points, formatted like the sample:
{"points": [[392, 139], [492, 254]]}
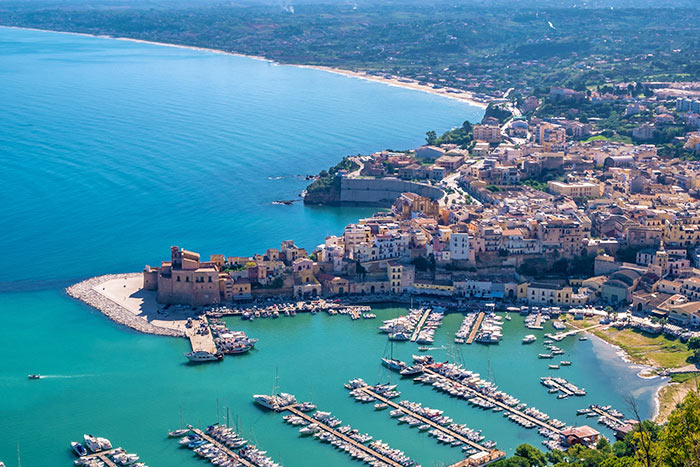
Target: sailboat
{"points": [[391, 362], [179, 432]]}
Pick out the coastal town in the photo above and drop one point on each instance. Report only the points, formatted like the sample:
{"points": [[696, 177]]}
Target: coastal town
{"points": [[525, 212]]}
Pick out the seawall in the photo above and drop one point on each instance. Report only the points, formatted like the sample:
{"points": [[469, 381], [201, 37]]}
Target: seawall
{"points": [[382, 191]]}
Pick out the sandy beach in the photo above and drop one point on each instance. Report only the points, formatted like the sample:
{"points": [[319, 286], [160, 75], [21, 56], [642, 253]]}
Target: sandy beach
{"points": [[450, 93]]}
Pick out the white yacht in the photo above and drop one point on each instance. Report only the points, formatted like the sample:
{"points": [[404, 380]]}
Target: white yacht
{"points": [[529, 339], [91, 443], [202, 356]]}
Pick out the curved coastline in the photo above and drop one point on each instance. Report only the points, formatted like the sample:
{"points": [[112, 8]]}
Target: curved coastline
{"points": [[449, 93]]}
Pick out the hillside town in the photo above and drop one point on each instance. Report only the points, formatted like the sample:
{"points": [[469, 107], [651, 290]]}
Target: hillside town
{"points": [[541, 211]]}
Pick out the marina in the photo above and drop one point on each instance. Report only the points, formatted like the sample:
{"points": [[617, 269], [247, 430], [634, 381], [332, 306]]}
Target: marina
{"points": [[219, 444], [98, 452], [561, 385], [443, 427], [475, 327], [377, 453], [467, 385]]}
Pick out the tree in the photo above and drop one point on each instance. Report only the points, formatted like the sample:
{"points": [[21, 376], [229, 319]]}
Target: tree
{"points": [[430, 137], [680, 440], [694, 343], [534, 456]]}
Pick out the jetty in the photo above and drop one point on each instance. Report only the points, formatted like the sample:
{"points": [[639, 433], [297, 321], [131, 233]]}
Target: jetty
{"points": [[103, 456], [561, 335], [425, 420], [222, 447], [496, 402], [327, 428], [419, 326], [562, 388], [606, 415], [202, 341], [476, 327]]}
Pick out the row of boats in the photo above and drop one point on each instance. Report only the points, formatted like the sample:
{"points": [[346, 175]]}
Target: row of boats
{"points": [[402, 327], [275, 310], [561, 387], [462, 383], [465, 328], [94, 448], [329, 429], [491, 330], [607, 416], [415, 415], [230, 342]]}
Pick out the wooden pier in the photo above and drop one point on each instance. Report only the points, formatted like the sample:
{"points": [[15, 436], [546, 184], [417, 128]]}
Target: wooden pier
{"points": [[538, 320], [201, 342], [103, 456], [563, 389], [222, 447], [420, 324], [498, 403], [561, 335], [603, 413], [425, 420], [347, 439], [475, 328]]}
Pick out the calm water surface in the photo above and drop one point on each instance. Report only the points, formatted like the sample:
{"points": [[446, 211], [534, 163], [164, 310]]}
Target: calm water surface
{"points": [[111, 152]]}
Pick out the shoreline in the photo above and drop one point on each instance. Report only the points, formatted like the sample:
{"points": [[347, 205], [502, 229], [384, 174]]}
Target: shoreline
{"points": [[405, 83], [646, 372]]}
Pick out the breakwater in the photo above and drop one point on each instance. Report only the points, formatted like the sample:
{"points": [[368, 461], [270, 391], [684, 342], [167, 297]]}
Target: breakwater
{"points": [[87, 291]]}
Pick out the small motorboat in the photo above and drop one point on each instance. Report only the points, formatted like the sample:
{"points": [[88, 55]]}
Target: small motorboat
{"points": [[178, 433], [36, 376], [78, 449], [553, 367]]}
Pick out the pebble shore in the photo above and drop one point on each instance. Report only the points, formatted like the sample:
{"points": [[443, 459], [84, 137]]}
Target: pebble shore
{"points": [[84, 291]]}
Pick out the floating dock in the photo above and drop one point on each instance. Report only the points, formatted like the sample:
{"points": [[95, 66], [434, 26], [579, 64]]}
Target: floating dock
{"points": [[604, 414], [496, 402], [562, 388], [103, 456], [428, 421], [222, 447], [561, 335], [419, 326], [366, 449], [476, 327]]}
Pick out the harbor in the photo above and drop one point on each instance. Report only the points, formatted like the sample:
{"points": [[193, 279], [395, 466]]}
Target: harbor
{"points": [[305, 334], [326, 428], [425, 418]]}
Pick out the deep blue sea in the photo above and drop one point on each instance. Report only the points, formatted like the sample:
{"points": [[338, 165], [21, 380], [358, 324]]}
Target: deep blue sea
{"points": [[111, 152]]}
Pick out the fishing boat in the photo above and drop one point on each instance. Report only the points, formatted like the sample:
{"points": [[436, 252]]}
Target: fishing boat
{"points": [[78, 449], [203, 356]]}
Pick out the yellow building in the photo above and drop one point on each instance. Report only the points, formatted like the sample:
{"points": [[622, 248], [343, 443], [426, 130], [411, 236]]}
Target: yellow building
{"points": [[576, 189]]}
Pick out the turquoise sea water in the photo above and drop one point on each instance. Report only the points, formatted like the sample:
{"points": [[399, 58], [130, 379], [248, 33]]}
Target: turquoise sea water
{"points": [[111, 152]]}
